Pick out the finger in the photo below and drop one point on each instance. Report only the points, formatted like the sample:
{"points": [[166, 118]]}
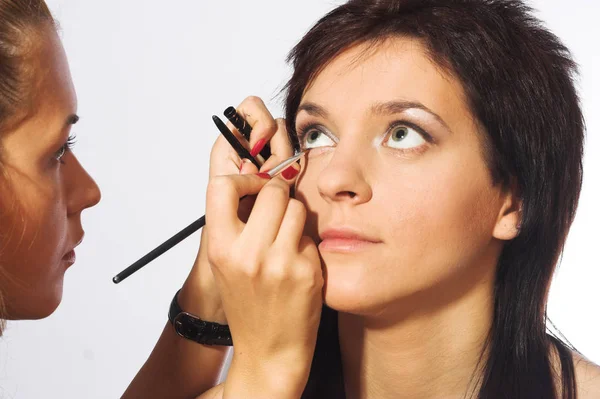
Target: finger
{"points": [[292, 225], [247, 202], [254, 110], [243, 142], [247, 168], [290, 173], [223, 159], [268, 211], [238, 135], [308, 248], [222, 202], [281, 148]]}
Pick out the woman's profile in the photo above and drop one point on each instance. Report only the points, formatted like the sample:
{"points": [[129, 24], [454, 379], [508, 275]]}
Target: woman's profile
{"points": [[44, 191]]}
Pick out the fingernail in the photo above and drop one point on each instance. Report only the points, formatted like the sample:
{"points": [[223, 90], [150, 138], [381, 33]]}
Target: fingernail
{"points": [[258, 147], [289, 173], [263, 175], [241, 165]]}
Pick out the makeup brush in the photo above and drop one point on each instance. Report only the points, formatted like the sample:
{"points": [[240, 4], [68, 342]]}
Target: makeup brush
{"points": [[189, 230]]}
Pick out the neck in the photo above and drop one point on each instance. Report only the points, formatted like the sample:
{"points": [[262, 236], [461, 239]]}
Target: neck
{"points": [[430, 354]]}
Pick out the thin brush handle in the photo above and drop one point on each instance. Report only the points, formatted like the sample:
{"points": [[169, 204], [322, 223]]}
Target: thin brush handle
{"points": [[188, 231], [233, 141], [161, 249]]}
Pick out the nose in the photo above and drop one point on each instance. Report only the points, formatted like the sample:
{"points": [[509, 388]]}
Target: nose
{"points": [[343, 179], [82, 190]]}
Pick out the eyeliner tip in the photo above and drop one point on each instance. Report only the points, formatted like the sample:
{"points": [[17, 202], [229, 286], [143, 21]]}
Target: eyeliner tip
{"points": [[116, 279]]}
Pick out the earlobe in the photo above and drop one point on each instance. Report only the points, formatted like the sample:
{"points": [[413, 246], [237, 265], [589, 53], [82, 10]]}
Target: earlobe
{"points": [[508, 225]]}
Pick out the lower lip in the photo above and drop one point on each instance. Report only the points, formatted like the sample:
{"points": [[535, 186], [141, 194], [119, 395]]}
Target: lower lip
{"points": [[344, 245], [70, 258]]}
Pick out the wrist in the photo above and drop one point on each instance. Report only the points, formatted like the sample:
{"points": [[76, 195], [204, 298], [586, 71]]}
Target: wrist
{"points": [[204, 303], [267, 381]]}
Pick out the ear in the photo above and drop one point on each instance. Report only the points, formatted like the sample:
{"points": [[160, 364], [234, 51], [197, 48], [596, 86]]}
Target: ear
{"points": [[508, 224]]}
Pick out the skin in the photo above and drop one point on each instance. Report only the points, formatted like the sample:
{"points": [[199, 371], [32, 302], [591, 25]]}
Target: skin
{"points": [[47, 195]]}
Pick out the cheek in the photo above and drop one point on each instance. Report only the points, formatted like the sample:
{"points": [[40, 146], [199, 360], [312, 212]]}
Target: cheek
{"points": [[34, 235], [307, 192], [442, 219], [36, 231]]}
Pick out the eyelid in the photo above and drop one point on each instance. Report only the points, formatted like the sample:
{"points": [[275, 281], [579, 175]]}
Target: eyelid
{"points": [[397, 123], [67, 146], [303, 130]]}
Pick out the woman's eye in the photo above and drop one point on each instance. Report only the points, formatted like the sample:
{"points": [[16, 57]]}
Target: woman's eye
{"points": [[404, 137], [316, 138], [68, 146], [60, 153]]}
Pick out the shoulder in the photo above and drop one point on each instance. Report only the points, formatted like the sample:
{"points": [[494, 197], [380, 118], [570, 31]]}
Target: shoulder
{"points": [[587, 377]]}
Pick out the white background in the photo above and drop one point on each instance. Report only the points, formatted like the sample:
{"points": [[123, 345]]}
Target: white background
{"points": [[149, 75]]}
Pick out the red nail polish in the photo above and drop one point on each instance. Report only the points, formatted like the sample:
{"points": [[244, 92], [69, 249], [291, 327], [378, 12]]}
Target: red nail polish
{"points": [[258, 147], [263, 175], [289, 173]]}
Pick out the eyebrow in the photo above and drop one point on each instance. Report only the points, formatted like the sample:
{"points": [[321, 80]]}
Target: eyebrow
{"points": [[72, 119], [387, 108]]}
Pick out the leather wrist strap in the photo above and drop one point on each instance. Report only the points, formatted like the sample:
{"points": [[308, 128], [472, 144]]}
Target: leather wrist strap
{"points": [[197, 330]]}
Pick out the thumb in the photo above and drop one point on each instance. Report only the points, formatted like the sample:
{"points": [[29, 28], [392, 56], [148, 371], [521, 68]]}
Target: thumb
{"points": [[247, 168]]}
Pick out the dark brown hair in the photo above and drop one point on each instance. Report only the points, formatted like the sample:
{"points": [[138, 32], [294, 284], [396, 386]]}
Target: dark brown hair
{"points": [[22, 24], [518, 79]]}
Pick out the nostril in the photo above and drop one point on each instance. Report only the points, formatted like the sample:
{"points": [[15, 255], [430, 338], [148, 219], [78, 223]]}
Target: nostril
{"points": [[348, 194]]}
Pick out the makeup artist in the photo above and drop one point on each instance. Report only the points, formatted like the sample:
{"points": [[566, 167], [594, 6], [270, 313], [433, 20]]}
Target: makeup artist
{"points": [[44, 190]]}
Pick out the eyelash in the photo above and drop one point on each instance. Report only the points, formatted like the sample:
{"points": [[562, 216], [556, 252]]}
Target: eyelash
{"points": [[303, 131], [67, 146]]}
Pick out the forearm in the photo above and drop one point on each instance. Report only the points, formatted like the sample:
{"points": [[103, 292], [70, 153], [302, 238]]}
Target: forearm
{"points": [[266, 379], [177, 368]]}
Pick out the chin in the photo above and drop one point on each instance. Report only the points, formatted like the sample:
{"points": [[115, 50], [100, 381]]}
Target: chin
{"points": [[357, 288], [350, 290], [42, 306], [50, 307]]}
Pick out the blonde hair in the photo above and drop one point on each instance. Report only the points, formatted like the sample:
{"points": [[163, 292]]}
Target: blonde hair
{"points": [[22, 23]]}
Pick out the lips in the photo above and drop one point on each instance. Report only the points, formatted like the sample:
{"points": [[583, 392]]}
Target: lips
{"points": [[69, 257], [345, 239]]}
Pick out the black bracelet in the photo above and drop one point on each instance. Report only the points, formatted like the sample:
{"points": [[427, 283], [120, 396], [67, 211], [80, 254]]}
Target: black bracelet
{"points": [[193, 328]]}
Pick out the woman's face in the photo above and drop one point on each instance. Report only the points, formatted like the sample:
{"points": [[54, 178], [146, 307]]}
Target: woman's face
{"points": [[47, 191], [397, 160]]}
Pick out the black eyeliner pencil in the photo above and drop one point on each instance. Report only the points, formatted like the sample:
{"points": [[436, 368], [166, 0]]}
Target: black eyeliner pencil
{"points": [[244, 128], [240, 123], [237, 146], [161, 249], [195, 226], [189, 230]]}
